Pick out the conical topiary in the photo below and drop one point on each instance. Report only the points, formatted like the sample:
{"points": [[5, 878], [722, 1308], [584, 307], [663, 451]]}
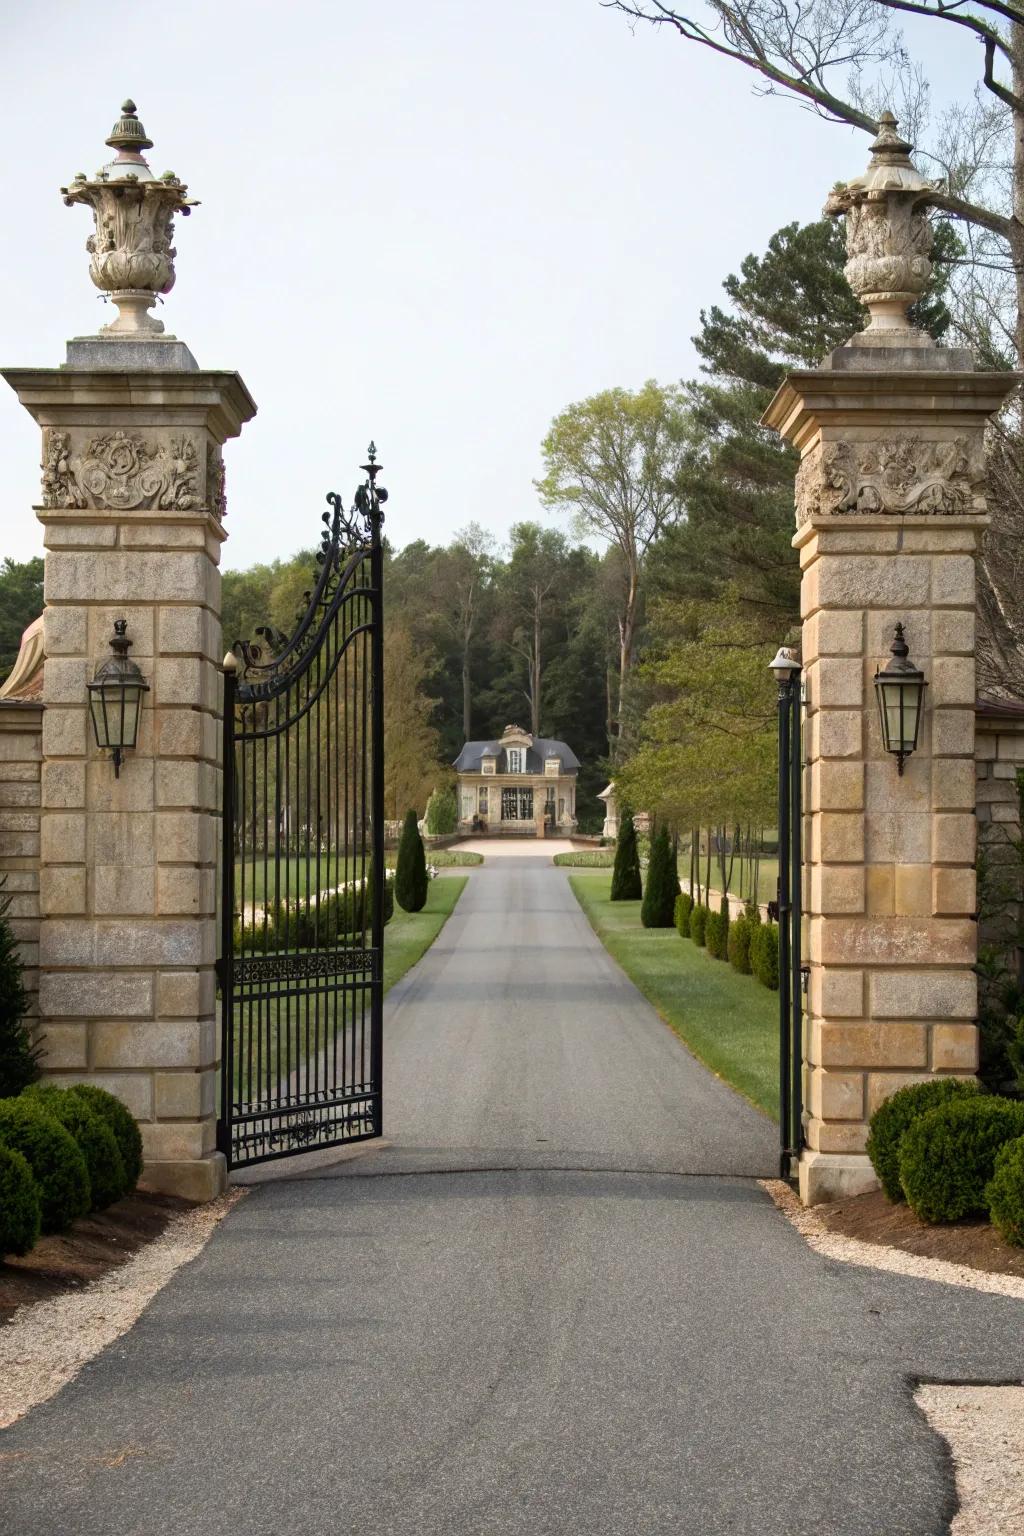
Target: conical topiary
{"points": [[19, 1058], [626, 872], [662, 887], [411, 880]]}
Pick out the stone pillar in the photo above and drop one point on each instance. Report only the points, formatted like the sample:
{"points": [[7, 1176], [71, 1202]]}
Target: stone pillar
{"points": [[132, 506], [890, 512]]}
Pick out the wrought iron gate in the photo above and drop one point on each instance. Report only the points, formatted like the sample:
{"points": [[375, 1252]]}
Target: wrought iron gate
{"points": [[302, 881], [791, 968]]}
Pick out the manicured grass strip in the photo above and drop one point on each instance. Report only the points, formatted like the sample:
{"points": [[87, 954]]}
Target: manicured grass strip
{"points": [[409, 935], [729, 1021], [593, 858]]}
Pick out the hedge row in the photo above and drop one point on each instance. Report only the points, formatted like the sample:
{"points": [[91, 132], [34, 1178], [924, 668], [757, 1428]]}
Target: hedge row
{"points": [[750, 946], [315, 923], [63, 1152], [952, 1151]]}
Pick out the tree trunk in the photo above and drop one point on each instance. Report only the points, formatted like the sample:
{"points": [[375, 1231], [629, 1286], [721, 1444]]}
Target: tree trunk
{"points": [[695, 864], [627, 639], [467, 698], [535, 686], [1016, 41]]}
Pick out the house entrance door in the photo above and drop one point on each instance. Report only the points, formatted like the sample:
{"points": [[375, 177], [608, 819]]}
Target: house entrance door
{"points": [[517, 804]]}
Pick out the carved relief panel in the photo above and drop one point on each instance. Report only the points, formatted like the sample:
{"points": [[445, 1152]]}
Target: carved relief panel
{"points": [[901, 476]]}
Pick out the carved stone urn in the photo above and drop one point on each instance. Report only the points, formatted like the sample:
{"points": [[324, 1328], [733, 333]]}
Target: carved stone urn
{"points": [[888, 238], [130, 253]]}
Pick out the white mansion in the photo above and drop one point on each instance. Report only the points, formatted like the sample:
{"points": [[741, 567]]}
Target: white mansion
{"points": [[522, 784]]}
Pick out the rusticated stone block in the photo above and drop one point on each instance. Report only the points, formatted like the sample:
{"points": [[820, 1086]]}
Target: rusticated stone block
{"points": [[185, 994], [163, 943], [882, 1086], [168, 1043], [838, 838], [185, 1095], [900, 581], [838, 733], [913, 890], [178, 680], [837, 786], [173, 1140], [140, 629], [953, 632], [63, 785], [880, 890], [147, 577], [64, 731], [128, 890], [836, 1135], [954, 839], [183, 889], [67, 941], [953, 581], [874, 1045], [954, 1048], [65, 680], [881, 625], [839, 682], [177, 783], [83, 994], [891, 838], [836, 1095], [62, 889], [165, 535], [837, 888], [908, 941], [65, 631], [952, 681], [122, 837], [837, 994], [954, 784], [923, 994], [180, 631], [179, 733], [836, 633], [65, 1046], [131, 790]]}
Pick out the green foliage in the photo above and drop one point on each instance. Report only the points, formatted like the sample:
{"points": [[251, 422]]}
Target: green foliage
{"points": [[411, 881], [108, 1180], [681, 915], [698, 924], [19, 1057], [52, 1153], [123, 1124], [319, 922], [894, 1117], [21, 601], [442, 815], [20, 1206], [626, 883], [1005, 1192], [947, 1157], [716, 931], [741, 931], [662, 885], [596, 858], [764, 954]]}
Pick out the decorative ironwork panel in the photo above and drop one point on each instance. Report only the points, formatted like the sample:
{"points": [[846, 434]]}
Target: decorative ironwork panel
{"points": [[303, 882]]}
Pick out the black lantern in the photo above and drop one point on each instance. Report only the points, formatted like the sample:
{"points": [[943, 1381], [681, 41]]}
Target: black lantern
{"points": [[900, 688], [115, 698]]}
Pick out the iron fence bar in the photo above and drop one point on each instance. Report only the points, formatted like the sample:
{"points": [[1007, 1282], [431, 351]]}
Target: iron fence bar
{"points": [[227, 914], [796, 937], [784, 904], [377, 810]]}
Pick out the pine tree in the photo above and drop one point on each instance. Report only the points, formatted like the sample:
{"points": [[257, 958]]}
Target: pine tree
{"points": [[411, 880], [662, 887], [19, 1058], [626, 872]]}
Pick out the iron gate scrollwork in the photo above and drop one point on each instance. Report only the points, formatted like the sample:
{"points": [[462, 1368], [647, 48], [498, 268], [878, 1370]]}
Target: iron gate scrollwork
{"points": [[302, 883]]}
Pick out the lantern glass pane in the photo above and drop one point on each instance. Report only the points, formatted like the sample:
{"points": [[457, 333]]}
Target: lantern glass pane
{"points": [[129, 716], [99, 719]]}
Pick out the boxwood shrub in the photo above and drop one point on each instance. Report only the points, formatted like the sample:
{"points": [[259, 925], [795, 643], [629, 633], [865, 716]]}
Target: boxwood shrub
{"points": [[698, 923], [122, 1123], [20, 1206], [764, 954], [1005, 1193], [740, 931], [107, 1178], [54, 1157], [892, 1119], [683, 908], [716, 935], [947, 1157]]}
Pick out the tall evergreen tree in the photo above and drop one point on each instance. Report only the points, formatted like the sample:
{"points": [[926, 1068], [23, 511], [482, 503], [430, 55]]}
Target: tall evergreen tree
{"points": [[626, 885], [19, 1058], [21, 601], [411, 880], [658, 907]]}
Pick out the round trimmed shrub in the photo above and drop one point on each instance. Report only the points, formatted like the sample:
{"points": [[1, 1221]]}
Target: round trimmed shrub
{"points": [[893, 1119], [20, 1206], [1005, 1193], [107, 1178], [123, 1124], [740, 931], [54, 1157], [698, 924], [683, 908], [948, 1155]]}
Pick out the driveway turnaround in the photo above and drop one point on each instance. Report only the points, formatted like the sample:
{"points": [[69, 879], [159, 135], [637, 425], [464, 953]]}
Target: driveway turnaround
{"points": [[557, 1302]]}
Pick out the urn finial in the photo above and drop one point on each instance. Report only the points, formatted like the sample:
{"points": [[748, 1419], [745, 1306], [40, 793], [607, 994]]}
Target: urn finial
{"points": [[131, 254], [888, 238]]}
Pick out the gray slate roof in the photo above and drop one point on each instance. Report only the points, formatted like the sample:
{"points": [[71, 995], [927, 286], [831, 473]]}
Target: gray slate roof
{"points": [[468, 760]]}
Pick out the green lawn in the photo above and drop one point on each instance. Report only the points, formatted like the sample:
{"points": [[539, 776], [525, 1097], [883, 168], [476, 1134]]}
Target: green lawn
{"points": [[730, 1022], [410, 934], [767, 876], [294, 875]]}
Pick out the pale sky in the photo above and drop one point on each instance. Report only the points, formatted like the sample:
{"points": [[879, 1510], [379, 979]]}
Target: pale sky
{"points": [[432, 222]]}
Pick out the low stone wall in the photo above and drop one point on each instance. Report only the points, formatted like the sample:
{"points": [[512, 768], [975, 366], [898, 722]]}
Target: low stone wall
{"points": [[999, 757], [21, 730]]}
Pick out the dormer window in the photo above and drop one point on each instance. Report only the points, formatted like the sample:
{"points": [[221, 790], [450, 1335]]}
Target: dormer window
{"points": [[487, 765], [552, 766], [516, 759]]}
